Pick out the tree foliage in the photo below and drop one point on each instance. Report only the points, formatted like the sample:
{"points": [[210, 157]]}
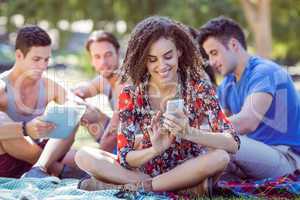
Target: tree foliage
{"points": [[284, 16]]}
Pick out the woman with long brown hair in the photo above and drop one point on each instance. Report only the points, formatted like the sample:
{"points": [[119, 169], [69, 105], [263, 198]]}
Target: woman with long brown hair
{"points": [[175, 152]]}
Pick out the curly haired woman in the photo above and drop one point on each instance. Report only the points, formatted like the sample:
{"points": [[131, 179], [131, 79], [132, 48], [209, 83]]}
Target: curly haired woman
{"points": [[175, 152]]}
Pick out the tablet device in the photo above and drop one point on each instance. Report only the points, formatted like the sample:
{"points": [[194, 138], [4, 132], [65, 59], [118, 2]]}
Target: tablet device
{"points": [[65, 117]]}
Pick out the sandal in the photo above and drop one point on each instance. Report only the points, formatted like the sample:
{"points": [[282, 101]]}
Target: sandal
{"points": [[204, 188], [80, 183], [92, 184]]}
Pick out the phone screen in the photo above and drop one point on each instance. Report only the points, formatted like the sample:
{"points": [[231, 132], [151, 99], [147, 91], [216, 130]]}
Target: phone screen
{"points": [[175, 105]]}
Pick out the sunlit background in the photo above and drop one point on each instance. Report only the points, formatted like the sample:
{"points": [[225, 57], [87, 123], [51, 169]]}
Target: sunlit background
{"points": [[271, 27]]}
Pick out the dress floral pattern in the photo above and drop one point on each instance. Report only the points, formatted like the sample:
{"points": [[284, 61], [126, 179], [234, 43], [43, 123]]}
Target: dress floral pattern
{"points": [[136, 114]]}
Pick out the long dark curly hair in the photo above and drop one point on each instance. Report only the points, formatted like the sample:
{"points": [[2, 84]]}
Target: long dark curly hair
{"points": [[149, 31]]}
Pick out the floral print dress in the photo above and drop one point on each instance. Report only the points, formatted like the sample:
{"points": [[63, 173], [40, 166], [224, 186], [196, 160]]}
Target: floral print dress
{"points": [[136, 114]]}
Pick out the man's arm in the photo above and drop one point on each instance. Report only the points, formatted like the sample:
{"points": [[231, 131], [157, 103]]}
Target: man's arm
{"points": [[8, 128], [253, 111], [60, 95], [56, 92], [92, 88], [3, 99]]}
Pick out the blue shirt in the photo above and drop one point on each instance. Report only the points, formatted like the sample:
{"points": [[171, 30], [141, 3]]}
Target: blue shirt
{"points": [[281, 123]]}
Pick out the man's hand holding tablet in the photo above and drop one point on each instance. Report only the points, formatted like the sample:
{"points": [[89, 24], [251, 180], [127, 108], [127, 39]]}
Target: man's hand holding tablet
{"points": [[65, 117]]}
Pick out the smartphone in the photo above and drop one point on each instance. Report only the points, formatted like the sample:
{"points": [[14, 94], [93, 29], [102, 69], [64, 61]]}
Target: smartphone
{"points": [[175, 105]]}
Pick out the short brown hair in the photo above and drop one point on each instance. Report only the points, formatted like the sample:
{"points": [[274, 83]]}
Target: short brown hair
{"points": [[30, 36], [150, 30], [99, 36], [222, 28]]}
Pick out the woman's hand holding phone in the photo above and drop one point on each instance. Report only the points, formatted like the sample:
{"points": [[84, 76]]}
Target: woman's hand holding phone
{"points": [[175, 118]]}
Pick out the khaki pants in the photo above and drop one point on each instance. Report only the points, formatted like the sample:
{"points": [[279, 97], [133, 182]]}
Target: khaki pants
{"points": [[256, 160]]}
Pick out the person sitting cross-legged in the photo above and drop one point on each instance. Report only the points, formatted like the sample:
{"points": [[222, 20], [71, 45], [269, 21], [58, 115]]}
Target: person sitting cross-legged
{"points": [[164, 63]]}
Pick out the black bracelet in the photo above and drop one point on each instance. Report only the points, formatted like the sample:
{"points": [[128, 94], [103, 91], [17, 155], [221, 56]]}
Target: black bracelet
{"points": [[24, 129]]}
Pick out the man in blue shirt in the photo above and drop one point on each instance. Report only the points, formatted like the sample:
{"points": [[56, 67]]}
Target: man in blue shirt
{"points": [[260, 99]]}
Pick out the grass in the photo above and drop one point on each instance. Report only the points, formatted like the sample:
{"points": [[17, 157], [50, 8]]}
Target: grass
{"points": [[83, 138]]}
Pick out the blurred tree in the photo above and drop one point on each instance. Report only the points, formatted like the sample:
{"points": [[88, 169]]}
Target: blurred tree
{"points": [[285, 24], [254, 15], [258, 15]]}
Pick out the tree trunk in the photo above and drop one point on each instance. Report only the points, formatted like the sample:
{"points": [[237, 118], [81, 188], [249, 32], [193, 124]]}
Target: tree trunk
{"points": [[257, 13]]}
